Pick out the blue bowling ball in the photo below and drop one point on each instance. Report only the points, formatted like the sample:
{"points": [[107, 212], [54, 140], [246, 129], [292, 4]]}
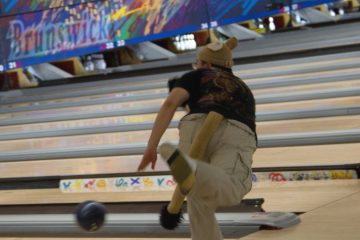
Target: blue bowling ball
{"points": [[90, 215]]}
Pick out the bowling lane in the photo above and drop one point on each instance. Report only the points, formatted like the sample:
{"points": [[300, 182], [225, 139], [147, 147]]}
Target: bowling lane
{"points": [[308, 125], [85, 109], [160, 87], [273, 67], [93, 238], [304, 64], [321, 155], [337, 220], [308, 104], [152, 93], [330, 73], [97, 97], [296, 196], [83, 140], [275, 127], [310, 87], [95, 122], [121, 105], [111, 121]]}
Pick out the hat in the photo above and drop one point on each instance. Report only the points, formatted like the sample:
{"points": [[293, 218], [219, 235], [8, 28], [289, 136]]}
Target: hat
{"points": [[218, 53]]}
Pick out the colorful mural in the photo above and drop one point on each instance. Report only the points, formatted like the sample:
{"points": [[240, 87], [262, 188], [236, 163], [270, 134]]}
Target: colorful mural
{"points": [[52, 30], [49, 32], [155, 18], [12, 7], [95, 26], [227, 12]]}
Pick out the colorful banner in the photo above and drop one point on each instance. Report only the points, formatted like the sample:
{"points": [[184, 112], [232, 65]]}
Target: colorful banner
{"points": [[229, 11], [49, 31], [167, 183], [138, 20], [47, 35], [13, 7], [57, 33]]}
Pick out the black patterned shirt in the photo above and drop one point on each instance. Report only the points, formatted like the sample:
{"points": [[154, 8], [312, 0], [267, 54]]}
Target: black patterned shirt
{"points": [[218, 90]]}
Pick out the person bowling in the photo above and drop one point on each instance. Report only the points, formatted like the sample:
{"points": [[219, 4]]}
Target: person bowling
{"points": [[224, 176]]}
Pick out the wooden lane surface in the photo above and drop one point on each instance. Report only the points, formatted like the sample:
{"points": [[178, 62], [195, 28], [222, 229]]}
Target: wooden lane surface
{"points": [[238, 70], [282, 106], [277, 90], [92, 238], [296, 105], [308, 125], [94, 122], [118, 138], [97, 122], [311, 75], [318, 155], [97, 96], [302, 196], [308, 104], [337, 220], [309, 87], [273, 90], [298, 196], [283, 65], [95, 238], [89, 108], [247, 78]]}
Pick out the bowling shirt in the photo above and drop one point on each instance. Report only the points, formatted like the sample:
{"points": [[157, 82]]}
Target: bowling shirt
{"points": [[218, 90]]}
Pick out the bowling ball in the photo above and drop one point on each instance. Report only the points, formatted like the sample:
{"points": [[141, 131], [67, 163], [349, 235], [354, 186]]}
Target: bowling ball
{"points": [[90, 215]]}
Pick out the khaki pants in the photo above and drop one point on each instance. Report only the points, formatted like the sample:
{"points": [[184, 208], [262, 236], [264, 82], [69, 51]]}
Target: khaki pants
{"points": [[222, 178]]}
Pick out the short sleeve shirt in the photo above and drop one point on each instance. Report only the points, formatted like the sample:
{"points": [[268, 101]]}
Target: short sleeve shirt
{"points": [[218, 90]]}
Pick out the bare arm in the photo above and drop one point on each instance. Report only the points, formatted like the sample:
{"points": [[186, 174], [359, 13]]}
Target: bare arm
{"points": [[175, 99]]}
